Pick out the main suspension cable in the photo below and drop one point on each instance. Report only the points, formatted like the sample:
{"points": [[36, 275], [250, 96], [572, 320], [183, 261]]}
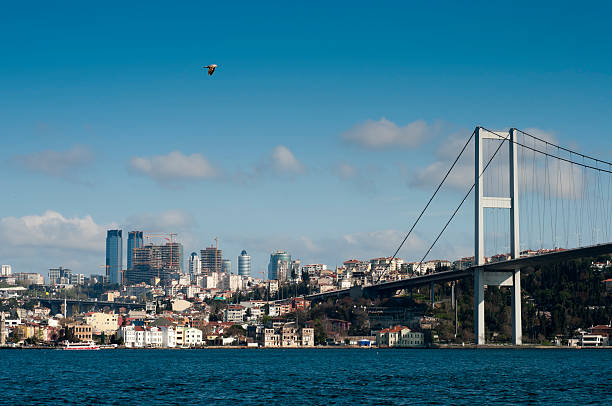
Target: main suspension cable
{"points": [[464, 197], [430, 200]]}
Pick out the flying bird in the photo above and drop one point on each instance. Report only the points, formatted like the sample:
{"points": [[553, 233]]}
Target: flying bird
{"points": [[211, 68]]}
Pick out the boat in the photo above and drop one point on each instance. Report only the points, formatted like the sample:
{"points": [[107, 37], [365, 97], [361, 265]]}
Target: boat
{"points": [[82, 346]]}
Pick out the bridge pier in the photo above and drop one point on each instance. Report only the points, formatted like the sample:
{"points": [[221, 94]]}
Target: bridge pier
{"points": [[517, 328], [432, 294], [479, 324]]}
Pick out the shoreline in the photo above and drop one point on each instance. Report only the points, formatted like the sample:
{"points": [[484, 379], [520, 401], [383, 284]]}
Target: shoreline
{"points": [[343, 347]]}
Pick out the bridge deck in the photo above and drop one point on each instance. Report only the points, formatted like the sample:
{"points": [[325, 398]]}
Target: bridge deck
{"points": [[447, 276]]}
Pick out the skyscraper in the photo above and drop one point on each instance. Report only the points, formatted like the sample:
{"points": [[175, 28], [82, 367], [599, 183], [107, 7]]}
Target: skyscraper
{"points": [[244, 264], [195, 267], [279, 266], [134, 241], [211, 258], [114, 255], [227, 266]]}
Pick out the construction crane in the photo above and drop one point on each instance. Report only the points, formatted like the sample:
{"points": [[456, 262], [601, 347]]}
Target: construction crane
{"points": [[165, 237]]}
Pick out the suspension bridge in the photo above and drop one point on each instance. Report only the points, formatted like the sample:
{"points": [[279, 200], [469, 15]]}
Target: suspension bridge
{"points": [[561, 196]]}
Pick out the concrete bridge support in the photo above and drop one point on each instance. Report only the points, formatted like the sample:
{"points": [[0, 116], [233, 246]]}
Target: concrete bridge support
{"points": [[482, 278]]}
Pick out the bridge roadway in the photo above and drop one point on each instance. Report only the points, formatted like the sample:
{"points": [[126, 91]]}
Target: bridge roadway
{"points": [[389, 288], [90, 302]]}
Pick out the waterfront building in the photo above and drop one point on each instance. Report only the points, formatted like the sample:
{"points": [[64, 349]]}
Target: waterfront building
{"points": [[134, 241], [193, 337], [279, 266], [114, 255], [244, 264], [81, 332], [106, 323], [287, 335], [195, 265], [399, 336], [5, 270], [211, 259], [227, 266]]}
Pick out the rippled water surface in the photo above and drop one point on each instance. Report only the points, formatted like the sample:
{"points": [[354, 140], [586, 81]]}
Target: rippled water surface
{"points": [[318, 376]]}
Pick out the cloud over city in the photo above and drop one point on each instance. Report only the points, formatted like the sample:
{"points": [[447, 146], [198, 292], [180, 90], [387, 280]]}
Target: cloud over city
{"points": [[174, 166], [385, 133], [283, 161], [57, 163]]}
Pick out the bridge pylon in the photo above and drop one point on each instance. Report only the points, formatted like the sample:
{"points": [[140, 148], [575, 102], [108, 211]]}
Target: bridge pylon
{"points": [[501, 278]]}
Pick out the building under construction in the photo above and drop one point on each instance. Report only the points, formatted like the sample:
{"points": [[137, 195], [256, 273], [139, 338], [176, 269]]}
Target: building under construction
{"points": [[212, 260], [155, 261]]}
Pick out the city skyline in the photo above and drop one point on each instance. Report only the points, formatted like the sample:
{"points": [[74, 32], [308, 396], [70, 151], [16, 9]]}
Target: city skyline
{"points": [[322, 142]]}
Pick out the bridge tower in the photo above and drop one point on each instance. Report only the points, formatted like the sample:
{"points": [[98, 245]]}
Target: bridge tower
{"points": [[504, 278]]}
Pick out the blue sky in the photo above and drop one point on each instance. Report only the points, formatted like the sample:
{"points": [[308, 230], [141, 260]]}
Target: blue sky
{"points": [[312, 136]]}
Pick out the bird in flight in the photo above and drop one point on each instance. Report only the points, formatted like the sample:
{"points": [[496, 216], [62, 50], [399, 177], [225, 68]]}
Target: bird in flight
{"points": [[211, 68]]}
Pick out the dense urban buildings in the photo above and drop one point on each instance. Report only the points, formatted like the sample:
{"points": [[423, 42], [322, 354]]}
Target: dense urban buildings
{"points": [[114, 255], [134, 241], [244, 264]]}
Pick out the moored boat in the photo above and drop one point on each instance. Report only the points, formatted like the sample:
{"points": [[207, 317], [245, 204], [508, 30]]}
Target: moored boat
{"points": [[82, 346]]}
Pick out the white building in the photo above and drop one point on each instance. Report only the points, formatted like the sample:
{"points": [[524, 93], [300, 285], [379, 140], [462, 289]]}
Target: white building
{"points": [[399, 336], [149, 337], [5, 270], [192, 337], [234, 314], [168, 337], [195, 265], [314, 269], [593, 340]]}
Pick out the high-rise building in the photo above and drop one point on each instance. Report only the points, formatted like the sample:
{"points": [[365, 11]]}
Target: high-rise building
{"points": [[244, 264], [227, 266], [195, 267], [134, 241], [279, 266], [5, 270], [155, 261], [114, 255], [212, 260], [172, 257]]}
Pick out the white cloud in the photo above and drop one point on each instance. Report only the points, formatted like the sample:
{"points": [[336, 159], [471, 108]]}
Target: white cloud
{"points": [[174, 166], [56, 163], [167, 221], [283, 161], [53, 230], [345, 171], [564, 181], [384, 133]]}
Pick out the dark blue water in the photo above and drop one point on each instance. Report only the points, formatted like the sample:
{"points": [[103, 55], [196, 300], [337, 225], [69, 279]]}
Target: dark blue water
{"points": [[368, 376]]}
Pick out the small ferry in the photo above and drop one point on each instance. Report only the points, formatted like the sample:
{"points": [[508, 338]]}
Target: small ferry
{"points": [[82, 346]]}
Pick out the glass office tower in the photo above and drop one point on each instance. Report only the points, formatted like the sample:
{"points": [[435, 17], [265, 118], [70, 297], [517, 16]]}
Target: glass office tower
{"points": [[114, 255], [134, 241]]}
